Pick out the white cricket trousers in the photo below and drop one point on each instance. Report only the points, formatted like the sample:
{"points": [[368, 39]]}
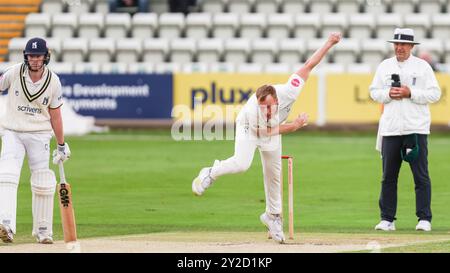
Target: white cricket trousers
{"points": [[14, 147], [244, 150]]}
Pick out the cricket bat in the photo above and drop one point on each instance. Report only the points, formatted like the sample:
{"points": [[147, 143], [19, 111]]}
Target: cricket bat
{"points": [[66, 207]]}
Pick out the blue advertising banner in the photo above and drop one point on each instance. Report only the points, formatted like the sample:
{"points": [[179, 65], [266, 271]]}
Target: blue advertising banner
{"points": [[112, 96]]}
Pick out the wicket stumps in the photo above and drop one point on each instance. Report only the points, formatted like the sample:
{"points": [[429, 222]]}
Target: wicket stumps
{"points": [[290, 161]]}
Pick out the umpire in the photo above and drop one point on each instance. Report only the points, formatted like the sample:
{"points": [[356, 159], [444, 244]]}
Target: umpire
{"points": [[405, 85]]}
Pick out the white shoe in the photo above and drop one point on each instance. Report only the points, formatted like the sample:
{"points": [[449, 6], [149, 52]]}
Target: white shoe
{"points": [[44, 239], [275, 225], [203, 180], [385, 225], [424, 225], [6, 234]]}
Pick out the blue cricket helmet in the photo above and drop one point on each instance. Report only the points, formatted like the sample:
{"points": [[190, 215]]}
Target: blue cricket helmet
{"points": [[36, 46]]}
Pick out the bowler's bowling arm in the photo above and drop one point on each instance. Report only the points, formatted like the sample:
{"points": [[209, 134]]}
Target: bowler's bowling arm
{"points": [[318, 55]]}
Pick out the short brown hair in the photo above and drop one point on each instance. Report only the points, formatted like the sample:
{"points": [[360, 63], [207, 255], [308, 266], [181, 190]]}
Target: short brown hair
{"points": [[264, 91]]}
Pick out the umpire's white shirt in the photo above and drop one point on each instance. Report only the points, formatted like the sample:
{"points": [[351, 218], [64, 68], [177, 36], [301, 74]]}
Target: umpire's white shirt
{"points": [[28, 103], [409, 115]]}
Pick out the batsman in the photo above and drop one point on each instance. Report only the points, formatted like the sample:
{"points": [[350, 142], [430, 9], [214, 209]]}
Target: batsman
{"points": [[260, 124], [32, 114]]}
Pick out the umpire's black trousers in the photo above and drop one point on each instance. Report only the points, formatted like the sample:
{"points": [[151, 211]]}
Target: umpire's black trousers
{"points": [[392, 161]]}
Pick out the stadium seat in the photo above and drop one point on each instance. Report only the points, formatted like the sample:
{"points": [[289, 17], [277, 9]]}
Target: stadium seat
{"points": [[144, 25], [61, 68], [240, 6], [279, 26], [128, 50], [101, 6], [15, 48], [198, 25], [155, 50], [420, 23], [64, 25], [140, 68], [375, 6], [209, 50], [74, 50], [386, 24], [90, 25], [253, 25], [113, 68], [101, 50], [293, 6], [440, 26], [255, 68], [263, 51], [84, 6], [321, 6], [159, 6], [431, 6], [347, 51], [54, 46], [86, 68], [224, 25], [52, 6], [333, 22], [171, 25], [195, 68], [167, 68], [212, 6], [374, 51], [403, 6], [433, 46], [361, 26], [222, 67], [117, 25], [277, 68], [290, 51], [306, 26], [182, 50], [236, 50], [267, 6], [37, 25], [359, 68], [349, 6]]}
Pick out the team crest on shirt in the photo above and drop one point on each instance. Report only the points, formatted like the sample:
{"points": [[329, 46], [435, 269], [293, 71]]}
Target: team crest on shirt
{"points": [[16, 93], [45, 101], [295, 82]]}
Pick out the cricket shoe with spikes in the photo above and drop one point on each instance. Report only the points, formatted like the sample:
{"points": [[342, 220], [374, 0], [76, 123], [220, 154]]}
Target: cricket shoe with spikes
{"points": [[203, 180], [44, 239], [274, 224], [6, 234]]}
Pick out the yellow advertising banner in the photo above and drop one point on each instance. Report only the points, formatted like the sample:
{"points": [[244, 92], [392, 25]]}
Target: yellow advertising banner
{"points": [[440, 111], [220, 96], [348, 100]]}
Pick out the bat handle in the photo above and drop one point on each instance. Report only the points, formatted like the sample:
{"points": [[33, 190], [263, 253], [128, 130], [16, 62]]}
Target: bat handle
{"points": [[62, 175]]}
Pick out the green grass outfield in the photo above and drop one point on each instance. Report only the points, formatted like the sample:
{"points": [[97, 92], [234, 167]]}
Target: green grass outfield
{"points": [[136, 182]]}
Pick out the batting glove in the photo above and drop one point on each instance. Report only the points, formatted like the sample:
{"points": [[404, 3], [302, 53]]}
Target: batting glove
{"points": [[61, 154]]}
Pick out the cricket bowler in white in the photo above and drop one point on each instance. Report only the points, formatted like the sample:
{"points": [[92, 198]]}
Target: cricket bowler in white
{"points": [[32, 113], [259, 125]]}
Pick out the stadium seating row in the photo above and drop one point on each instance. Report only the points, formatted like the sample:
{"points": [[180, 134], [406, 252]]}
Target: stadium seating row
{"points": [[229, 25], [161, 68], [121, 68], [268, 6], [237, 50]]}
